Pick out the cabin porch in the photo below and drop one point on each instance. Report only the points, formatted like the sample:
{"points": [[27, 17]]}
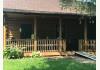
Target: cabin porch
{"points": [[49, 34]]}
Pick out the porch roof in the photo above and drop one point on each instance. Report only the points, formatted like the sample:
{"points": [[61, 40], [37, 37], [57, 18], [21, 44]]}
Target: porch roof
{"points": [[35, 6]]}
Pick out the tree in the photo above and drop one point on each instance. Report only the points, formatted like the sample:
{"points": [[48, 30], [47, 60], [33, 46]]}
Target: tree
{"points": [[83, 6], [87, 7]]}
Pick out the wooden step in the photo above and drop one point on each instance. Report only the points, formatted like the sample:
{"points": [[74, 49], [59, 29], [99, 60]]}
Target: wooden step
{"points": [[27, 54], [52, 53], [46, 53]]}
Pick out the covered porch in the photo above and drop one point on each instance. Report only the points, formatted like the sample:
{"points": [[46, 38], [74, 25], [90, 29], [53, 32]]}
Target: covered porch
{"points": [[51, 33]]}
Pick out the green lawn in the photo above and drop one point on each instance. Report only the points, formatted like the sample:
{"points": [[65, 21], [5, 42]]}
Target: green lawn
{"points": [[45, 64]]}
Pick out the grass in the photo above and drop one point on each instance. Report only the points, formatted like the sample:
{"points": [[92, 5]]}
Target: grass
{"points": [[45, 64]]}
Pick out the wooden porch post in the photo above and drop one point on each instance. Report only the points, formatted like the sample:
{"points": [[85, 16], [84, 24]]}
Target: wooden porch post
{"points": [[4, 33], [60, 34], [85, 33], [35, 33], [4, 36]]}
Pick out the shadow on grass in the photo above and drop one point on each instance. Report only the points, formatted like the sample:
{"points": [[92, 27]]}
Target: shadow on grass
{"points": [[61, 64]]}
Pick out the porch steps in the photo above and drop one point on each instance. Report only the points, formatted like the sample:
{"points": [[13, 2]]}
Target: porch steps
{"points": [[27, 54], [87, 55], [52, 53], [46, 54]]}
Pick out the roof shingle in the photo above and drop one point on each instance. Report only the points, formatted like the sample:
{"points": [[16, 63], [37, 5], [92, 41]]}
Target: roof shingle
{"points": [[36, 5]]}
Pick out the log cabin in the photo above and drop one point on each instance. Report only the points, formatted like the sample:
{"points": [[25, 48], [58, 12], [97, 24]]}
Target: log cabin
{"points": [[42, 25]]}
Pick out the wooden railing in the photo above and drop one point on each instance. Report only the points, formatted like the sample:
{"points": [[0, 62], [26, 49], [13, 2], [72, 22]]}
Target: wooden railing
{"points": [[27, 45], [47, 45], [50, 45], [87, 45], [42, 45]]}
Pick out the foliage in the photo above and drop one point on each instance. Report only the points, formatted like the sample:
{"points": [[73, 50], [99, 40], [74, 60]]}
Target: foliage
{"points": [[84, 6], [12, 53], [6, 52], [35, 54], [46, 64]]}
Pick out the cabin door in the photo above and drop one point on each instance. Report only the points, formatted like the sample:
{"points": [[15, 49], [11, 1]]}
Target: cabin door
{"points": [[26, 31], [72, 32]]}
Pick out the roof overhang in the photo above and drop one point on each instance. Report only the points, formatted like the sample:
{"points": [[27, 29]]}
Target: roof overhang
{"points": [[6, 10]]}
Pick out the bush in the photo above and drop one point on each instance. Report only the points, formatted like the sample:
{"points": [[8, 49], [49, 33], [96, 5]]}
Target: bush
{"points": [[13, 53], [6, 52], [35, 54]]}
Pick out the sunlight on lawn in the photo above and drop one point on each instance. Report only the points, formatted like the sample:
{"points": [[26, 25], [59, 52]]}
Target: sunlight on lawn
{"points": [[45, 64]]}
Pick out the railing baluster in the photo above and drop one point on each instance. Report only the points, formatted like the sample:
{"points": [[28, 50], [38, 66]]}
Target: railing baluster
{"points": [[50, 49], [41, 45], [29, 46], [45, 45], [38, 43], [23, 45], [54, 46], [32, 44]]}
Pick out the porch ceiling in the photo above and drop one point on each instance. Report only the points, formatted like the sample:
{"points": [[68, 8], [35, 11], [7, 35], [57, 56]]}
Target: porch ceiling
{"points": [[17, 16]]}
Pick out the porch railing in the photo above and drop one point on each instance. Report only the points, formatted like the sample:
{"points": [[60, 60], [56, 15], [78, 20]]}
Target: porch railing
{"points": [[47, 45], [50, 45], [27, 45], [87, 45], [42, 45]]}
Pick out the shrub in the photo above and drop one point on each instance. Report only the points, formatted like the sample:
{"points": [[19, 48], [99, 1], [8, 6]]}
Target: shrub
{"points": [[35, 54], [13, 53], [6, 52]]}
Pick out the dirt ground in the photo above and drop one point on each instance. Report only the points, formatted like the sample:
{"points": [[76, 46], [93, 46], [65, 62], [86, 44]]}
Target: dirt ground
{"points": [[76, 58]]}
